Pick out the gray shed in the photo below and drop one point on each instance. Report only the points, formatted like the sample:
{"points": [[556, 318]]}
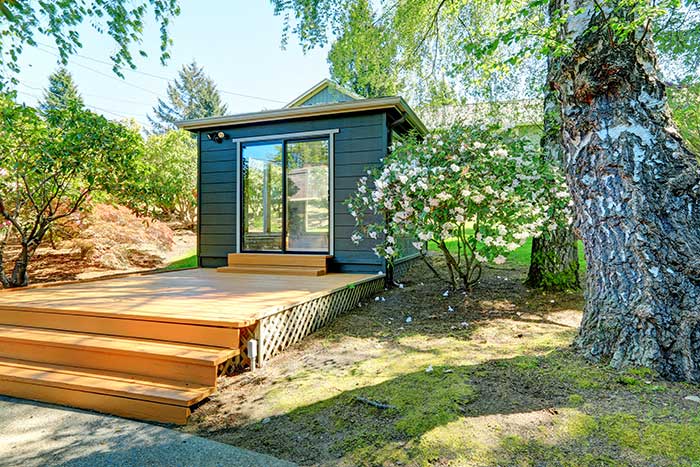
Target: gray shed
{"points": [[274, 182]]}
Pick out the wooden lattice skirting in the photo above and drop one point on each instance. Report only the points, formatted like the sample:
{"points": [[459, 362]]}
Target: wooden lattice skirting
{"points": [[279, 330], [402, 266]]}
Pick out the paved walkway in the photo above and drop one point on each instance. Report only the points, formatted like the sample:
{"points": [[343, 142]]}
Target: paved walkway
{"points": [[36, 434]]}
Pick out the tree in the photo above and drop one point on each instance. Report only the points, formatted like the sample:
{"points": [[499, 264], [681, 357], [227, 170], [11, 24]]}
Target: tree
{"points": [[164, 184], [49, 168], [554, 263], [636, 189], [193, 94], [21, 22], [684, 101], [634, 183], [62, 92], [372, 74]]}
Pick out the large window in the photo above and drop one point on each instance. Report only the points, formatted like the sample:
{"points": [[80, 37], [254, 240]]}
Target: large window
{"points": [[286, 196]]}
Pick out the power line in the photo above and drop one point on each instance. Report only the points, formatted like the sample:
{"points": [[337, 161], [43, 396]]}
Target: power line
{"points": [[126, 101], [103, 74], [93, 107], [96, 60]]}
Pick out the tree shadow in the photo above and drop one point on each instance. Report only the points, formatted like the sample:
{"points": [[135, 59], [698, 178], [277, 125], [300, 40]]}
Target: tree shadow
{"points": [[425, 306], [348, 427]]}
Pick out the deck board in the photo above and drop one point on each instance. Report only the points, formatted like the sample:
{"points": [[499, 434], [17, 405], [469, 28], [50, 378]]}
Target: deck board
{"points": [[198, 296]]}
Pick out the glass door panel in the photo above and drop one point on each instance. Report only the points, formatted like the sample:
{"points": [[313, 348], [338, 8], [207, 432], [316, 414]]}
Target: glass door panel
{"points": [[262, 177], [307, 211]]}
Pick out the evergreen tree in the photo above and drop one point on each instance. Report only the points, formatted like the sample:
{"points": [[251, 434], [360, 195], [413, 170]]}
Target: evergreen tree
{"points": [[62, 92], [193, 94]]}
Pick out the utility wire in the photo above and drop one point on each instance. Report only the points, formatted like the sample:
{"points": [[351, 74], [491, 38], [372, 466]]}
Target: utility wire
{"points": [[126, 101], [103, 74], [249, 96], [93, 107]]}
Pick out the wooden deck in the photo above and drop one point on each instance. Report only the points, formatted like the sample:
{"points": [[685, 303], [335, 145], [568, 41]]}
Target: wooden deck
{"points": [[151, 346]]}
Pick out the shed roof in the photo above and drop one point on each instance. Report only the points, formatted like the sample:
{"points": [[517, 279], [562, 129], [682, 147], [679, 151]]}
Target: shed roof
{"points": [[395, 105]]}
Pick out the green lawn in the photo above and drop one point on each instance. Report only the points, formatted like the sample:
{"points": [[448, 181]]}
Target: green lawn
{"points": [[187, 261], [521, 256]]}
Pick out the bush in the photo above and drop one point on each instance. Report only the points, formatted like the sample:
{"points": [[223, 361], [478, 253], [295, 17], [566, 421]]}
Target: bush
{"points": [[114, 236], [165, 182], [481, 185]]}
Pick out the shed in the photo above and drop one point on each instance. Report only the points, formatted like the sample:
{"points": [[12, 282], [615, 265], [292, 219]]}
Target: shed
{"points": [[272, 184]]}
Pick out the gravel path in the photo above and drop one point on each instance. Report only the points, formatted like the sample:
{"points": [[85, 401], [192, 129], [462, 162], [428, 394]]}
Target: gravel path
{"points": [[36, 434]]}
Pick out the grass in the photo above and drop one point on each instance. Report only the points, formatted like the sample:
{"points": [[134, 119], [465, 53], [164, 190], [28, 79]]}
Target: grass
{"points": [[187, 261], [492, 383], [519, 257]]}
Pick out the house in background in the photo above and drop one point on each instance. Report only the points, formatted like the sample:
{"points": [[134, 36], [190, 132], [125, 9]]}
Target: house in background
{"points": [[525, 116], [272, 184]]}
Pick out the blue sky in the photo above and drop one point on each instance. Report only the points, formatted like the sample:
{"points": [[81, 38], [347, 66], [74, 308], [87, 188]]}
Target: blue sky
{"points": [[236, 41]]}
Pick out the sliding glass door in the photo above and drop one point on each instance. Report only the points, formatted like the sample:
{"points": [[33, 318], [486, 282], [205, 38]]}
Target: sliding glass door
{"points": [[262, 196], [286, 196]]}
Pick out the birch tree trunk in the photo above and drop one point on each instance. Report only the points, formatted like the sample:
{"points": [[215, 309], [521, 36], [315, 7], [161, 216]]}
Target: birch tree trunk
{"points": [[636, 191], [554, 256]]}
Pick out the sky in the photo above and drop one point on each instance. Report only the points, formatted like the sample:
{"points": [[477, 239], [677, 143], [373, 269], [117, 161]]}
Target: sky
{"points": [[237, 42]]}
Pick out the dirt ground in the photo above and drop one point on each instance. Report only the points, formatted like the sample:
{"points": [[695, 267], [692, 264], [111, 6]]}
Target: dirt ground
{"points": [[50, 265], [422, 375]]}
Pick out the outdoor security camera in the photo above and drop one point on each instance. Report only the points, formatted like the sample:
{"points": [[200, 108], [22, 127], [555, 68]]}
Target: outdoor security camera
{"points": [[217, 136]]}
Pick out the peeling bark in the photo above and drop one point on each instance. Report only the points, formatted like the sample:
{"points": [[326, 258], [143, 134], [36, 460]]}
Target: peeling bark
{"points": [[636, 190]]}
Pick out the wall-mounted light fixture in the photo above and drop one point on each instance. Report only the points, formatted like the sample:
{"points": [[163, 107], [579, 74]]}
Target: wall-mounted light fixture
{"points": [[217, 136]]}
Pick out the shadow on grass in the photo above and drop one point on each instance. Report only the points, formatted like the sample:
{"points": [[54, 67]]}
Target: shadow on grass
{"points": [[425, 406]]}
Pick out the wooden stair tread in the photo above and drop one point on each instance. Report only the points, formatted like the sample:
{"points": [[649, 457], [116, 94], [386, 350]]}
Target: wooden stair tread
{"points": [[269, 269], [210, 336], [197, 354], [103, 382], [278, 259]]}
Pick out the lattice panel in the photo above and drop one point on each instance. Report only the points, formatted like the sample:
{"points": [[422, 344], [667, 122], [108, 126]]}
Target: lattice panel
{"points": [[242, 359], [279, 331], [403, 267]]}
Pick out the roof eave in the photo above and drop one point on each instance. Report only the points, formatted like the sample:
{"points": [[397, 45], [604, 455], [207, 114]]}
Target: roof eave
{"points": [[307, 111]]}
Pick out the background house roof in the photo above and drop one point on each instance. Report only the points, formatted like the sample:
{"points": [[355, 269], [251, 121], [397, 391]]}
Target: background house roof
{"points": [[516, 113]]}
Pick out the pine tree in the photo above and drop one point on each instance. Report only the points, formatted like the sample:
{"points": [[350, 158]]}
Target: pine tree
{"points": [[192, 94], [61, 92]]}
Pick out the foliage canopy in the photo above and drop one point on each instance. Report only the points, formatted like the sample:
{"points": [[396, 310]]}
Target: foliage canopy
{"points": [[21, 22]]}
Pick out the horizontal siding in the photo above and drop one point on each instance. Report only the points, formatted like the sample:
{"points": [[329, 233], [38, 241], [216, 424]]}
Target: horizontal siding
{"points": [[209, 262], [360, 144]]}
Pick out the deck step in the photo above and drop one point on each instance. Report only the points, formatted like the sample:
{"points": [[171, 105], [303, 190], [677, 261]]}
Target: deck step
{"points": [[214, 336], [168, 360], [273, 259], [274, 270], [108, 392]]}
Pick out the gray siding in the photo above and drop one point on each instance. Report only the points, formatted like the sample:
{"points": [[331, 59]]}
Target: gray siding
{"points": [[328, 96], [360, 144]]}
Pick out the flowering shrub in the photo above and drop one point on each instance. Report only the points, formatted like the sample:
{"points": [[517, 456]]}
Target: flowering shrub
{"points": [[480, 185]]}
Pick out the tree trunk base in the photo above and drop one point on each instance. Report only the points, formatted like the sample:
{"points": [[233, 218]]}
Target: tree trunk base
{"points": [[554, 262]]}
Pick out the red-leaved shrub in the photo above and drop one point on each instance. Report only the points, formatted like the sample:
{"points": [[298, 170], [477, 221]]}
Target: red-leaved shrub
{"points": [[116, 238]]}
